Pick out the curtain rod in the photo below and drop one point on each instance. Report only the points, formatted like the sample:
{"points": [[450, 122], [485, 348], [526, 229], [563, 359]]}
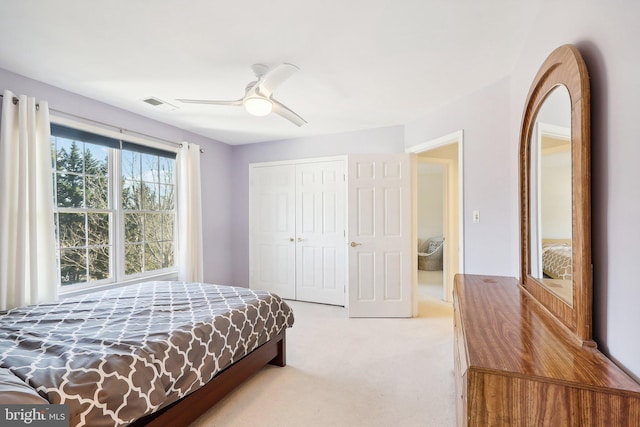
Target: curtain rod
{"points": [[15, 101], [121, 130]]}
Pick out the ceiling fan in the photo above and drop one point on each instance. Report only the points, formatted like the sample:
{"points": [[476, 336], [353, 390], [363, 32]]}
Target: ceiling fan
{"points": [[258, 98]]}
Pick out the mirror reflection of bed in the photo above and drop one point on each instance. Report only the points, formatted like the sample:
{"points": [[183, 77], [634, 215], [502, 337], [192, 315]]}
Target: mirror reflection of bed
{"points": [[557, 267], [551, 195], [555, 211]]}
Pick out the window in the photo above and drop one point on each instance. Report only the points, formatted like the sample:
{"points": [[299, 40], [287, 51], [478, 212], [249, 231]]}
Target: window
{"points": [[148, 205], [114, 209]]}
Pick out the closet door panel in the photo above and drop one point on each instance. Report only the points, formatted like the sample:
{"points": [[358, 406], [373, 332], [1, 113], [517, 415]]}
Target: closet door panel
{"points": [[320, 232], [272, 229]]}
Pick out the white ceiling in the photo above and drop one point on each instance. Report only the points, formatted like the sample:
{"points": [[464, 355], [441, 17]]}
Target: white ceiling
{"points": [[363, 64]]}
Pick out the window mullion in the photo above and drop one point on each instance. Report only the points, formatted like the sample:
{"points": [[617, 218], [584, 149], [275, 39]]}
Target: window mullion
{"points": [[118, 216]]}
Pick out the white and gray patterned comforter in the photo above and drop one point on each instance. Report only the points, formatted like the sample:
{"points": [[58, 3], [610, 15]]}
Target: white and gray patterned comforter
{"points": [[557, 261], [117, 355]]}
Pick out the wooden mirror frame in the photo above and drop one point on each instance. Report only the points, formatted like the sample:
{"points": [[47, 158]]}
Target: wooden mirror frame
{"points": [[566, 67]]}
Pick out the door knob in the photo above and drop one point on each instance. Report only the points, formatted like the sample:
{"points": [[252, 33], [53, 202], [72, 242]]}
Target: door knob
{"points": [[291, 239], [300, 239], [354, 244]]}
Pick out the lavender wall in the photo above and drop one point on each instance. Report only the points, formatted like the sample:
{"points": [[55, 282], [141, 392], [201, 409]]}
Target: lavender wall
{"points": [[490, 176], [607, 34], [215, 162], [381, 140]]}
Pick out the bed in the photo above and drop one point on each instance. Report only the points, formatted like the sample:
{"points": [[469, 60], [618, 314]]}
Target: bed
{"points": [[140, 354], [557, 260]]}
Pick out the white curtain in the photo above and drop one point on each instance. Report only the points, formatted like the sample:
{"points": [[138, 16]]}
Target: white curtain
{"points": [[189, 226], [27, 242]]}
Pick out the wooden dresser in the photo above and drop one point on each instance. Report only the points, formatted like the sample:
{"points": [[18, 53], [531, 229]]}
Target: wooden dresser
{"points": [[516, 365]]}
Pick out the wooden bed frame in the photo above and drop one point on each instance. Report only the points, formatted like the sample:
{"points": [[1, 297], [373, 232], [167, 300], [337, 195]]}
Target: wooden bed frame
{"points": [[189, 408]]}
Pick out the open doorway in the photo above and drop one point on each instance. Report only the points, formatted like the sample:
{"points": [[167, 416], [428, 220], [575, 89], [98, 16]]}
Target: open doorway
{"points": [[438, 215], [431, 211]]}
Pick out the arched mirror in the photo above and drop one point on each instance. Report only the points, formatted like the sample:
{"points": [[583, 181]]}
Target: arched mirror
{"points": [[555, 191]]}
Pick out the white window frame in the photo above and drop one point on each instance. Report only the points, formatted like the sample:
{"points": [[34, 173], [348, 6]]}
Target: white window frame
{"points": [[118, 256]]}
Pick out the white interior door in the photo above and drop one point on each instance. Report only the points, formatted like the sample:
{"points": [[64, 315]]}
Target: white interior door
{"points": [[380, 267], [272, 229], [320, 232]]}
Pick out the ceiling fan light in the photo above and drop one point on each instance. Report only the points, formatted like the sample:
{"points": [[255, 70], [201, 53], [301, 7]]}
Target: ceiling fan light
{"points": [[258, 106]]}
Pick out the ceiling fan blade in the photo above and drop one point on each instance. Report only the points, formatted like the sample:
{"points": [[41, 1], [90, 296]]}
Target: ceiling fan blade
{"points": [[275, 78], [288, 114], [211, 102]]}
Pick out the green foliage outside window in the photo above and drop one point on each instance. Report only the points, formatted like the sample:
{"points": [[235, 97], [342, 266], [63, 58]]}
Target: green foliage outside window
{"points": [[148, 202], [86, 223]]}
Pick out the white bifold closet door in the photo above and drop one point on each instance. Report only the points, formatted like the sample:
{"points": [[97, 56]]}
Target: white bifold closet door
{"points": [[298, 243], [320, 232], [272, 227]]}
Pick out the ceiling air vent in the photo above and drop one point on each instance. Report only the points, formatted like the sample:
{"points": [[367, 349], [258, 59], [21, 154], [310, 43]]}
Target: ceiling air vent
{"points": [[159, 104]]}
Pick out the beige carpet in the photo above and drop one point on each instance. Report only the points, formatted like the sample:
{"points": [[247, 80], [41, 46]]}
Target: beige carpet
{"points": [[430, 285], [376, 372]]}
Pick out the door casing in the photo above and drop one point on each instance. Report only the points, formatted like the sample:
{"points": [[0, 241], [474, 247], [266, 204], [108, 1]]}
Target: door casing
{"points": [[455, 245]]}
